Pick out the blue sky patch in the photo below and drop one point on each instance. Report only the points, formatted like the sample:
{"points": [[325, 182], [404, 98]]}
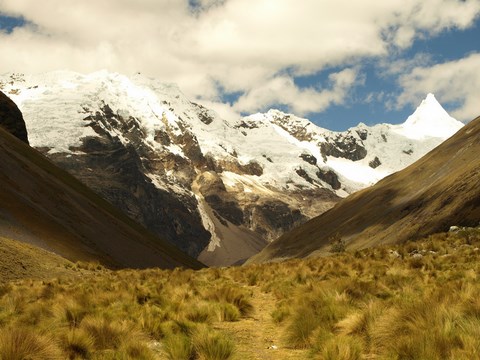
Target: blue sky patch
{"points": [[8, 23]]}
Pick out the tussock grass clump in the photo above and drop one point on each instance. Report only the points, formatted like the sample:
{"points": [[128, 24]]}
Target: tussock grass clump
{"points": [[425, 328], [5, 289], [136, 351], [77, 344], [341, 348], [360, 321], [151, 321], [281, 312], [179, 346], [35, 314], [337, 244], [201, 313], [301, 327], [232, 295], [228, 312], [317, 308], [22, 343], [212, 345], [71, 313], [106, 335]]}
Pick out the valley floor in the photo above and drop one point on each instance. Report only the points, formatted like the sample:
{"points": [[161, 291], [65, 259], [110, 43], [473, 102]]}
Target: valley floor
{"points": [[420, 300]]}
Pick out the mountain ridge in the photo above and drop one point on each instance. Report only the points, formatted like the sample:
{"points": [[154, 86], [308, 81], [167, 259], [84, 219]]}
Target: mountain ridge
{"points": [[432, 194], [219, 190]]}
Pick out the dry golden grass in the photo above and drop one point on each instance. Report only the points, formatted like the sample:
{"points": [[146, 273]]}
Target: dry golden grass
{"points": [[420, 300], [20, 260], [19, 343]]}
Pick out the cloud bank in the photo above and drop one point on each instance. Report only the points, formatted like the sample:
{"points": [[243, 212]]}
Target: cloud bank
{"points": [[255, 48], [455, 82]]}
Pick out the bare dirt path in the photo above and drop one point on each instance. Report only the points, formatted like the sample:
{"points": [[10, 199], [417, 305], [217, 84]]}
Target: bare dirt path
{"points": [[255, 336]]}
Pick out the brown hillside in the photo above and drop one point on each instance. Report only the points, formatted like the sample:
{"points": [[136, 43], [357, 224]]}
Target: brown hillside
{"points": [[43, 205], [439, 190], [23, 261]]}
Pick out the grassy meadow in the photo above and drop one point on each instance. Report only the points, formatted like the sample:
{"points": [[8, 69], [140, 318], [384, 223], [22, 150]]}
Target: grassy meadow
{"points": [[420, 300]]}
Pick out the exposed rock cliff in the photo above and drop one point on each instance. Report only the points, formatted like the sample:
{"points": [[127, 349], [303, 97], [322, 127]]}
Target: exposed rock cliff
{"points": [[11, 118]]}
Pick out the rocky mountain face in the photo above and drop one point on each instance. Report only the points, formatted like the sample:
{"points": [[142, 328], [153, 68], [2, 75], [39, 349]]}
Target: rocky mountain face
{"points": [[218, 189], [436, 192], [11, 118]]}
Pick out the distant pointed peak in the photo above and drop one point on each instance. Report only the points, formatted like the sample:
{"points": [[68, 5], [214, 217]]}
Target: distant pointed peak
{"points": [[430, 119], [430, 101], [429, 110]]}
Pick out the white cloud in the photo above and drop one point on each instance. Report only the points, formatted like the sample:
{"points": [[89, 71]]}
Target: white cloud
{"points": [[281, 90], [373, 97], [396, 66], [455, 82], [234, 45]]}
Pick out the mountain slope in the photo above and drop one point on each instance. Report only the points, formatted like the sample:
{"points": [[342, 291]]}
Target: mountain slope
{"points": [[23, 261], [42, 205], [218, 189], [439, 190]]}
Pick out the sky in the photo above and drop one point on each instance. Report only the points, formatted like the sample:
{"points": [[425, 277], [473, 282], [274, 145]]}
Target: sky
{"points": [[335, 62]]}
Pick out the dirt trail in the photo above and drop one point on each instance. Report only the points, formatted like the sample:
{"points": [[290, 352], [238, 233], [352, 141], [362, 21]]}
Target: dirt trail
{"points": [[255, 336]]}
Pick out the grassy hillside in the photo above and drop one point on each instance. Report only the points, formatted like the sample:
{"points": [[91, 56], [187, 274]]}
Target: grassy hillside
{"points": [[427, 197], [19, 261], [420, 300]]}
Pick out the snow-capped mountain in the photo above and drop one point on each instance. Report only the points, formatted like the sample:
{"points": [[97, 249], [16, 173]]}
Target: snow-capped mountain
{"points": [[427, 197], [218, 189]]}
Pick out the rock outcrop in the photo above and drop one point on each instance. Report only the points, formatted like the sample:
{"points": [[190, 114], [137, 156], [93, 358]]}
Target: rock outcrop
{"points": [[11, 118]]}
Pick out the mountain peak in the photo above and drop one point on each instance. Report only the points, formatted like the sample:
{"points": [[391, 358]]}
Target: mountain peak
{"points": [[430, 104], [430, 120], [431, 98]]}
